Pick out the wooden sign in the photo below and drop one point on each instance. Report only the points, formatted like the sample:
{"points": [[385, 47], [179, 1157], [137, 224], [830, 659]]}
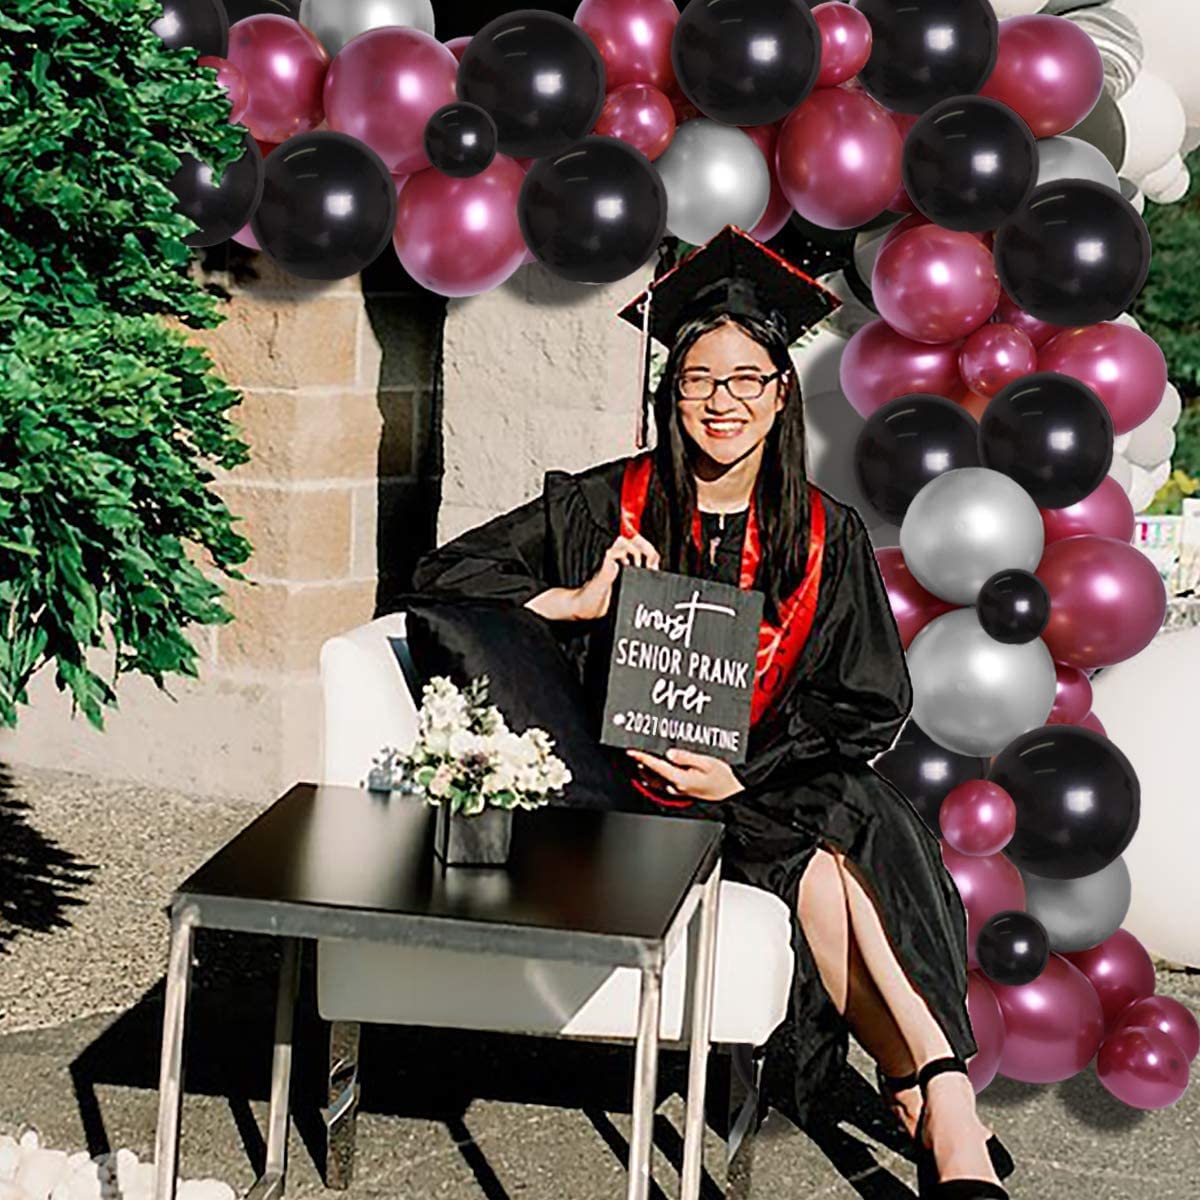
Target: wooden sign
{"points": [[682, 668]]}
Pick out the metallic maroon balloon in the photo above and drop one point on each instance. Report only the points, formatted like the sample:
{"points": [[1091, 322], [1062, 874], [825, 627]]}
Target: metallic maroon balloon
{"points": [[879, 365], [1121, 972], [232, 81], [1107, 512], [1107, 601], [779, 207], [284, 66], [1122, 365], [1092, 722], [638, 113], [1143, 1068], [457, 45], [1052, 1026], [1038, 332], [634, 39], [912, 606], [1168, 1016], [987, 1026], [994, 356], [978, 818], [838, 158], [1048, 71], [845, 42], [987, 885], [383, 87], [1072, 696]]}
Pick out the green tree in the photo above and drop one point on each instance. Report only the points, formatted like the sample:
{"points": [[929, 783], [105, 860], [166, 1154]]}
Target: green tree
{"points": [[111, 424]]}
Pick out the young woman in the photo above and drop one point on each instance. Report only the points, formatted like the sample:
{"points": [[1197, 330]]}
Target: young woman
{"points": [[880, 931]]}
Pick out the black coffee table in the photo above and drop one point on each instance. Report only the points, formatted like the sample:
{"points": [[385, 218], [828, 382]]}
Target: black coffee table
{"points": [[611, 889]]}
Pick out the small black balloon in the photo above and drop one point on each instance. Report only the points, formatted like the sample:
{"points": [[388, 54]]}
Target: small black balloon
{"points": [[1013, 607], [202, 25], [1077, 796], [1052, 434], [594, 213], [924, 51], [908, 442], [219, 207], [1013, 948], [1104, 128], [460, 139], [925, 772], [970, 163], [746, 62], [239, 10], [539, 76], [1075, 254], [328, 207]]}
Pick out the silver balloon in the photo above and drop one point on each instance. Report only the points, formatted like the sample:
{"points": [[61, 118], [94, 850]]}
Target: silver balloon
{"points": [[966, 525], [715, 175], [1072, 158], [335, 22], [1080, 913], [973, 694]]}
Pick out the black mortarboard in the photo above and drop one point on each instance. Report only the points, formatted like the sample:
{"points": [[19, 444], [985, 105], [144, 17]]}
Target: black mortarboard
{"points": [[733, 273]]}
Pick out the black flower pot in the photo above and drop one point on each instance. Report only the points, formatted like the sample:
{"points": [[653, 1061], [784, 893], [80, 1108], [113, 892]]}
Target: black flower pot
{"points": [[479, 841]]}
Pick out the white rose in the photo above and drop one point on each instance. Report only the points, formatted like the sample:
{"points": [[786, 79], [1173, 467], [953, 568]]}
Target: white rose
{"points": [[463, 742]]}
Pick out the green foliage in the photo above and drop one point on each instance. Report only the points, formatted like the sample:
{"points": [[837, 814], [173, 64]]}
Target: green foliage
{"points": [[110, 422]]}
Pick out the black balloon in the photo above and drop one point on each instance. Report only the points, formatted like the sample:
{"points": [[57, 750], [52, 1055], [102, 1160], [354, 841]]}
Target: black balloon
{"points": [[1076, 253], [539, 76], [908, 442], [202, 25], [924, 51], [970, 163], [1104, 128], [460, 139], [594, 213], [239, 10], [223, 206], [1013, 607], [746, 62], [926, 772], [1013, 948], [328, 206], [1052, 434], [1077, 796]]}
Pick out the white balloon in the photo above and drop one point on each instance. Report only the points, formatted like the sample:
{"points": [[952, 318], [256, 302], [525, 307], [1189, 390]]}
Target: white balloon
{"points": [[1174, 191], [1156, 124], [1171, 408], [1151, 444], [1160, 473], [1141, 488], [1171, 37], [1121, 443], [1017, 8], [1128, 319], [1122, 471], [1191, 139], [1163, 177]]}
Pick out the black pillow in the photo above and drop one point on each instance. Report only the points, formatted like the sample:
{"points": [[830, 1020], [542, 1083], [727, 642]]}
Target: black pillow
{"points": [[530, 680]]}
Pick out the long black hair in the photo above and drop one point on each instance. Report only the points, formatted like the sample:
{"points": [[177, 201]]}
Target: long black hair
{"points": [[780, 492]]}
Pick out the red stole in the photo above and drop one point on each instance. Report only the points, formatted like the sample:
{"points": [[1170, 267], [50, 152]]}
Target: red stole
{"points": [[779, 646]]}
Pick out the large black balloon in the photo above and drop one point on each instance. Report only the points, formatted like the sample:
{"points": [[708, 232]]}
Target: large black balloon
{"points": [[970, 163], [223, 206], [1076, 253], [1013, 948], [746, 62], [924, 51], [460, 139], [908, 442], [1013, 607], [328, 206], [1078, 800], [1052, 434], [203, 25], [239, 10], [539, 76], [594, 213], [926, 772]]}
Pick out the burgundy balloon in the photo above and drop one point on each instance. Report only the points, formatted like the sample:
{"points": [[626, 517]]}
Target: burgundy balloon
{"points": [[265, 148], [1107, 512], [383, 87], [987, 885], [1092, 722], [935, 285], [1052, 1026], [845, 42], [978, 818], [901, 201], [1107, 601], [1048, 71], [634, 39], [457, 45], [1122, 365], [460, 237], [1038, 332], [915, 221], [1143, 1068], [879, 365], [994, 356], [779, 207], [1072, 696], [284, 66], [987, 1026], [1121, 972], [838, 158], [638, 113], [1168, 1016], [232, 81], [912, 606]]}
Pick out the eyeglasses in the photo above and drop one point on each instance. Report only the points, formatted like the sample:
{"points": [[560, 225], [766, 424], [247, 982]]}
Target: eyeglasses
{"points": [[740, 387]]}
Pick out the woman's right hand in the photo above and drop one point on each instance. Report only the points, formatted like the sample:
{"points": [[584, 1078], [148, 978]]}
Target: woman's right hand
{"points": [[591, 600]]}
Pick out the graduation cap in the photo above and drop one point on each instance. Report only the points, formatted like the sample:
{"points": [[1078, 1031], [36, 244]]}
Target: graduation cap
{"points": [[734, 274]]}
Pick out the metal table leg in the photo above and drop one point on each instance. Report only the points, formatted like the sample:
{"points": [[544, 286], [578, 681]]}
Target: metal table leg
{"points": [[702, 1000], [645, 1083]]}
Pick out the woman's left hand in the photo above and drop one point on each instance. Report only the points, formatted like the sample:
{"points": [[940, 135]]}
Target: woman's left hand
{"points": [[695, 776]]}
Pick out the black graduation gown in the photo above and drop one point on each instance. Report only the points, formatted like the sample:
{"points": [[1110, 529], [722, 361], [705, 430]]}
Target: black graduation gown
{"points": [[807, 779]]}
